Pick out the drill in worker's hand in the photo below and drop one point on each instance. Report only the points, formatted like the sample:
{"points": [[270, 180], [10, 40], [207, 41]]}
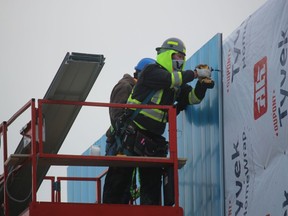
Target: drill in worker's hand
{"points": [[204, 75]]}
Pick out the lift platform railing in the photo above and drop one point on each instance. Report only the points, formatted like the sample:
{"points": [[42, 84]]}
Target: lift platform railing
{"points": [[53, 189], [56, 185], [3, 131], [97, 180], [38, 156]]}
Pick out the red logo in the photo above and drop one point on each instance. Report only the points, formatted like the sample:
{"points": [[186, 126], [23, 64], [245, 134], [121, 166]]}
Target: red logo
{"points": [[260, 88]]}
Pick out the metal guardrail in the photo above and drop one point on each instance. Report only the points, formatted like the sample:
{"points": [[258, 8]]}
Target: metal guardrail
{"points": [[38, 157]]}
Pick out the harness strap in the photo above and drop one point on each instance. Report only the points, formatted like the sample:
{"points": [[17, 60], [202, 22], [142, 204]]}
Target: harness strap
{"points": [[131, 118]]}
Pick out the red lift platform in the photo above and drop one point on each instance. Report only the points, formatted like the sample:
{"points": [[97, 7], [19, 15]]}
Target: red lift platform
{"points": [[42, 137], [37, 158]]}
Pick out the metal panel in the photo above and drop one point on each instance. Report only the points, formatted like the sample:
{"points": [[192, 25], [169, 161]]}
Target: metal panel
{"points": [[75, 190], [73, 81], [200, 141]]}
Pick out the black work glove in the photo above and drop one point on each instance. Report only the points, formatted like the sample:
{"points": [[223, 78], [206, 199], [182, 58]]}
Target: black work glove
{"points": [[202, 85], [207, 82]]}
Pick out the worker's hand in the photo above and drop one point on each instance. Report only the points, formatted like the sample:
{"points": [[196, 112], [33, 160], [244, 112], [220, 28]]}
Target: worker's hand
{"points": [[203, 71], [203, 66], [207, 82]]}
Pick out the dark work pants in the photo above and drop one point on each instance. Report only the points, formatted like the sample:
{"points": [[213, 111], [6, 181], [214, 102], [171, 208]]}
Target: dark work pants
{"points": [[118, 182], [117, 185], [150, 191]]}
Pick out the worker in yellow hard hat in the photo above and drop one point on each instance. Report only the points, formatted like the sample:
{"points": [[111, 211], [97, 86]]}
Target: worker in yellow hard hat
{"points": [[163, 83]]}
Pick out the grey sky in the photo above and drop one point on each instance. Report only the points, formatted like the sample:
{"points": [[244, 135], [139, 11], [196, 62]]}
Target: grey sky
{"points": [[35, 36]]}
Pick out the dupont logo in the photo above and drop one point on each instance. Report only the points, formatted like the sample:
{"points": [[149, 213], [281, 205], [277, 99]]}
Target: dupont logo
{"points": [[260, 88]]}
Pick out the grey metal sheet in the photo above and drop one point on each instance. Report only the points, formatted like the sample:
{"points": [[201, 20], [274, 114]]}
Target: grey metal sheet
{"points": [[73, 81]]}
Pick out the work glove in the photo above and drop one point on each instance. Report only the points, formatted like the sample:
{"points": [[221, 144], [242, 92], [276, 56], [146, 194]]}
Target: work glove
{"points": [[207, 82], [202, 85], [203, 71]]}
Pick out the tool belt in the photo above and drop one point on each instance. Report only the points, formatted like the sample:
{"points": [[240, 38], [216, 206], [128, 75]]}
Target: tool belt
{"points": [[144, 143]]}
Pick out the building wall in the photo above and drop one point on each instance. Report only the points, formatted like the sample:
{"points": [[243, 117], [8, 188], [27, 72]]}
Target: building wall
{"points": [[200, 141], [255, 89]]}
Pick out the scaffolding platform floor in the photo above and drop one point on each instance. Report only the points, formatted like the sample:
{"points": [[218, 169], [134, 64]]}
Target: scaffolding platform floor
{"points": [[76, 209], [77, 160]]}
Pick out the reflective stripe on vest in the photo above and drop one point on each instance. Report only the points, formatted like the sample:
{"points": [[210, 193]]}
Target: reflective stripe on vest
{"points": [[193, 99], [157, 96], [176, 79], [155, 114], [140, 126]]}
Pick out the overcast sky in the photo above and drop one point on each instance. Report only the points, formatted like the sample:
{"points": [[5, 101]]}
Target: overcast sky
{"points": [[35, 35]]}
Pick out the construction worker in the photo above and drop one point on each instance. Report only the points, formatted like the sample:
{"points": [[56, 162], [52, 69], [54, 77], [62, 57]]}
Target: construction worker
{"points": [[120, 94], [167, 83], [119, 191]]}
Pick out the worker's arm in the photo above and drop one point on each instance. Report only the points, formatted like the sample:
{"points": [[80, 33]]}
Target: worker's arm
{"points": [[155, 77], [119, 94], [190, 96]]}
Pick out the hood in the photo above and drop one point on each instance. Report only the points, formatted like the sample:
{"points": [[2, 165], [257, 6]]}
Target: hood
{"points": [[165, 60]]}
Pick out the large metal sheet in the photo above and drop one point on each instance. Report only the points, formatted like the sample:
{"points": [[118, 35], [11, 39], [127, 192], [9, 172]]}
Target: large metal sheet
{"points": [[200, 141], [73, 81]]}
